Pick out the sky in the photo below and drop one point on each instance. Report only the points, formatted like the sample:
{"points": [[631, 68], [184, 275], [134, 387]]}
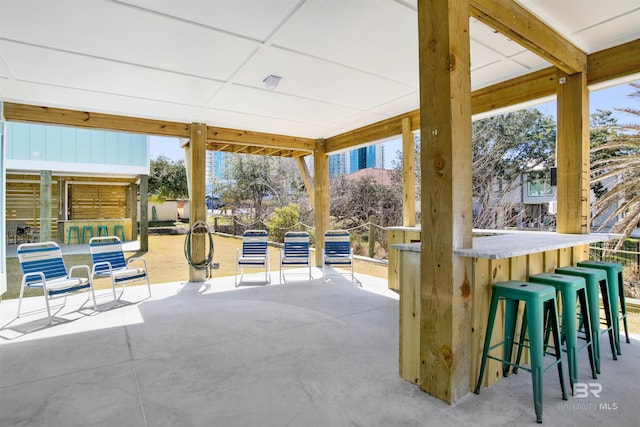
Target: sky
{"points": [[604, 99]]}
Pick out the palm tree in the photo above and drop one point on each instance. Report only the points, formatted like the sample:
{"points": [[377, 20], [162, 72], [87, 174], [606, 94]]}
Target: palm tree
{"points": [[615, 175]]}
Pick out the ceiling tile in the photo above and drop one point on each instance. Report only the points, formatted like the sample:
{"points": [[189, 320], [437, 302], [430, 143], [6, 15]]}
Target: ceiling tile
{"points": [[312, 78], [377, 36], [255, 19], [87, 73], [266, 103], [125, 34]]}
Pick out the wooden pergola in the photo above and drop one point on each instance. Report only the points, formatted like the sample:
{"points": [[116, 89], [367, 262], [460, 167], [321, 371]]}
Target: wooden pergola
{"points": [[444, 120]]}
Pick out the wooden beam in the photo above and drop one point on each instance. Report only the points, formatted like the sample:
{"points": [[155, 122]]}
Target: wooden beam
{"points": [[321, 211], [445, 158], [373, 132], [259, 139], [198, 208], [408, 175], [526, 29], [536, 85], [609, 64], [308, 180], [85, 119], [572, 154]]}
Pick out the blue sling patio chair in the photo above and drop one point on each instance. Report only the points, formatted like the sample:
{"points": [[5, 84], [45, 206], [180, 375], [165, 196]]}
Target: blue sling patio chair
{"points": [[295, 252], [108, 260], [253, 254], [337, 252], [43, 267]]}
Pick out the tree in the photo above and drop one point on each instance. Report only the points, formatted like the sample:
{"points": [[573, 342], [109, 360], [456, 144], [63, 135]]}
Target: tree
{"points": [[616, 166], [262, 183], [168, 179], [352, 202], [505, 147]]}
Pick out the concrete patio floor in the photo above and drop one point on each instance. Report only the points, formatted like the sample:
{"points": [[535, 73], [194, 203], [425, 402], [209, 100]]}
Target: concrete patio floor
{"points": [[299, 354]]}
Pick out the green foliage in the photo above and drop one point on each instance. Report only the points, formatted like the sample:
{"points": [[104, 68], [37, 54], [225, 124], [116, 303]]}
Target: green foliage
{"points": [[505, 147], [167, 179], [282, 220], [260, 183], [615, 173]]}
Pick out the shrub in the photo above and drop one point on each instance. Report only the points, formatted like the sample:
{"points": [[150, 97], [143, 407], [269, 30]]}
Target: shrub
{"points": [[283, 220]]}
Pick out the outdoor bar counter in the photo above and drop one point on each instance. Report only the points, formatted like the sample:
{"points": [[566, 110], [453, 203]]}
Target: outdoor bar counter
{"points": [[514, 255]]}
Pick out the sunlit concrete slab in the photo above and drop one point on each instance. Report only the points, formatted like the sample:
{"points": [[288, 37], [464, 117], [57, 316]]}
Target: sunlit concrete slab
{"points": [[303, 353]]}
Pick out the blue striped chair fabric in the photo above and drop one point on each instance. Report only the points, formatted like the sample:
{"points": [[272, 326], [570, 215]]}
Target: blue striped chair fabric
{"points": [[253, 253], [337, 251], [43, 267], [295, 252], [108, 260]]}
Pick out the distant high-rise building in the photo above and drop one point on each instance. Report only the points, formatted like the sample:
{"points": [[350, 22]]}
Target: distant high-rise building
{"points": [[371, 156], [215, 167], [337, 165]]}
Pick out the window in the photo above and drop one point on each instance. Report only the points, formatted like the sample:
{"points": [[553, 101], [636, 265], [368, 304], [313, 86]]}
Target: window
{"points": [[540, 187]]}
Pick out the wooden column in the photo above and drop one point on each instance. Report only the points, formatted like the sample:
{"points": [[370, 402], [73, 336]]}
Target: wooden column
{"points": [[133, 210], [572, 154], [308, 180], [45, 206], [197, 177], [445, 126], [144, 213], [321, 210], [408, 175]]}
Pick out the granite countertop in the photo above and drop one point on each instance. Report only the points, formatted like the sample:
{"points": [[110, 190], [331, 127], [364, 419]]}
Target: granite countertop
{"points": [[518, 243]]}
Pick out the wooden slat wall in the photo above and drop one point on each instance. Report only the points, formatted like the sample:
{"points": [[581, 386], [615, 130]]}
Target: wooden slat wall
{"points": [[98, 201], [23, 204]]}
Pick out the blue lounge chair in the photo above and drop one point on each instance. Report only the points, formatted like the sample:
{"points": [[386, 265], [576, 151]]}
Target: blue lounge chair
{"points": [[337, 252], [253, 254], [43, 267], [296, 252], [108, 261]]}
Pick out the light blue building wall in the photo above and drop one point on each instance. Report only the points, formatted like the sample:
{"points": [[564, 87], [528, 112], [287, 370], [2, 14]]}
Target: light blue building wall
{"points": [[65, 149]]}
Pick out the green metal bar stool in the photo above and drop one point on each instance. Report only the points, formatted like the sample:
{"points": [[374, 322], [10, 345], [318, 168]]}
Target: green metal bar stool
{"points": [[74, 229], [572, 289], [103, 231], [540, 302], [596, 281], [119, 228], [86, 230], [616, 295]]}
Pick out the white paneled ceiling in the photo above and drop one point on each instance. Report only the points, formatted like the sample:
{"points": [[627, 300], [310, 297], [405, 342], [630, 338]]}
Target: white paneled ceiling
{"points": [[343, 63]]}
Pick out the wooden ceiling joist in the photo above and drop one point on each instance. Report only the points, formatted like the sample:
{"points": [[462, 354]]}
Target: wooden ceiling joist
{"points": [[259, 139], [517, 23]]}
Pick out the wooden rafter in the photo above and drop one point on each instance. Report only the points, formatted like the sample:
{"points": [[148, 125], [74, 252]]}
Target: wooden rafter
{"points": [[514, 21]]}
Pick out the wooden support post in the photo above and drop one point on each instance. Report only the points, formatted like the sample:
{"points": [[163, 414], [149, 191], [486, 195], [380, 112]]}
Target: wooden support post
{"points": [[144, 213], [408, 175], [572, 154], [321, 211], [45, 206], [445, 126], [308, 180], [133, 210], [197, 166]]}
